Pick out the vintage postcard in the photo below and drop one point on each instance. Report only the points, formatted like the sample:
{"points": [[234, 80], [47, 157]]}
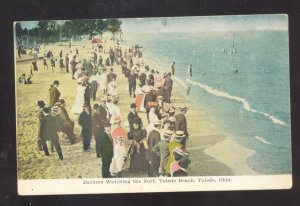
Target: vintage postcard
{"points": [[153, 104]]}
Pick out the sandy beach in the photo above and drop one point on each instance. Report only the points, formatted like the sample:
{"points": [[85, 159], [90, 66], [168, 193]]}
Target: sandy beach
{"points": [[212, 151]]}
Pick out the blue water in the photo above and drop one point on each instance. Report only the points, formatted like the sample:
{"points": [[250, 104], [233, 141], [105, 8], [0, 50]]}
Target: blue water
{"points": [[253, 105]]}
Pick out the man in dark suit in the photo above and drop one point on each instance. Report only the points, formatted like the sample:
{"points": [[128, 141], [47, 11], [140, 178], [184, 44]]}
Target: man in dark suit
{"points": [[54, 93], [111, 76], [67, 61], [142, 78], [49, 129], [168, 84], [97, 128], [132, 76], [150, 78], [104, 113], [106, 150], [181, 123], [85, 122], [154, 160], [67, 123], [132, 116]]}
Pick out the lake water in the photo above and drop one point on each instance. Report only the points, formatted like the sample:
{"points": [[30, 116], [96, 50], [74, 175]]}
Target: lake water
{"points": [[253, 105]]}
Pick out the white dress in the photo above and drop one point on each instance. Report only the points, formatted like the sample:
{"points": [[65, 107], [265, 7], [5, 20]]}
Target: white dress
{"points": [[79, 100], [103, 81], [118, 160], [112, 88], [152, 119]]}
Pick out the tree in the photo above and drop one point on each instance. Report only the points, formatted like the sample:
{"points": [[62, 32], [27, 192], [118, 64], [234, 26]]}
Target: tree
{"points": [[114, 26], [19, 30], [101, 26], [48, 31]]}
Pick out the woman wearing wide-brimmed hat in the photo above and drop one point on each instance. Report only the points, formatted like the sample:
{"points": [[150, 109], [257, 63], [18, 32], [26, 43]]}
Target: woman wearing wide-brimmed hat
{"points": [[137, 138]]}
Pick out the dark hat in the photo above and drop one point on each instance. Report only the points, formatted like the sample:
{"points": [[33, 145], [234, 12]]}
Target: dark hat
{"points": [[183, 109], [184, 161], [62, 101], [41, 103], [56, 82], [95, 106], [46, 110], [133, 105], [86, 105], [171, 109]]}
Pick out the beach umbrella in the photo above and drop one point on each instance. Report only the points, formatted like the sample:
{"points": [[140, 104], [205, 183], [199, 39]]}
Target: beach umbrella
{"points": [[96, 41]]}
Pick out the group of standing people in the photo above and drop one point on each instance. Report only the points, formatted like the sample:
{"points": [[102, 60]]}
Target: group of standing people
{"points": [[155, 147]]}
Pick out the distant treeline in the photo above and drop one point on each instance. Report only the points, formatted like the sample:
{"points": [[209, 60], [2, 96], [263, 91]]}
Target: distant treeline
{"points": [[52, 31]]}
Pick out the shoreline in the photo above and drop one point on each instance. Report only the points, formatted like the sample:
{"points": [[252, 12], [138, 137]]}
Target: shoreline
{"points": [[32, 164], [237, 154]]}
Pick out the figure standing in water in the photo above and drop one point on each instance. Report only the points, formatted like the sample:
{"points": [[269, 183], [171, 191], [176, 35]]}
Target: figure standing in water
{"points": [[172, 68], [190, 71]]}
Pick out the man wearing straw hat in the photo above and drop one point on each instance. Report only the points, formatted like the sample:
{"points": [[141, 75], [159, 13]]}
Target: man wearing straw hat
{"points": [[161, 149], [179, 135], [181, 161], [153, 139]]}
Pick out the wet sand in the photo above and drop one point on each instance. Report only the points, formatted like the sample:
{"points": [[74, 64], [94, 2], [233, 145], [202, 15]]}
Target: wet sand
{"points": [[212, 152]]}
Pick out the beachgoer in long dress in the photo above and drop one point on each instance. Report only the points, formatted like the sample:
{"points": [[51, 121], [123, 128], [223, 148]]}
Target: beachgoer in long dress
{"points": [[79, 100], [152, 119], [120, 143], [103, 82], [137, 138], [112, 88]]}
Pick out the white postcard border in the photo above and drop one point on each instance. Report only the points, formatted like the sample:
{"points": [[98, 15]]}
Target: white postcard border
{"points": [[156, 184]]}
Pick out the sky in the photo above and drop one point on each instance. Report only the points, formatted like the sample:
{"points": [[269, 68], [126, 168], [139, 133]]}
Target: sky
{"points": [[211, 23], [199, 24]]}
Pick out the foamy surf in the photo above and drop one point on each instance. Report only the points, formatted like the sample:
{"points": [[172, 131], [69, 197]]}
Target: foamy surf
{"points": [[261, 139], [241, 100]]}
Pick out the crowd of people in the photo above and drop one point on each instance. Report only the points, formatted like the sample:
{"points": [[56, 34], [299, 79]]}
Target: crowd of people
{"points": [[155, 147]]}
